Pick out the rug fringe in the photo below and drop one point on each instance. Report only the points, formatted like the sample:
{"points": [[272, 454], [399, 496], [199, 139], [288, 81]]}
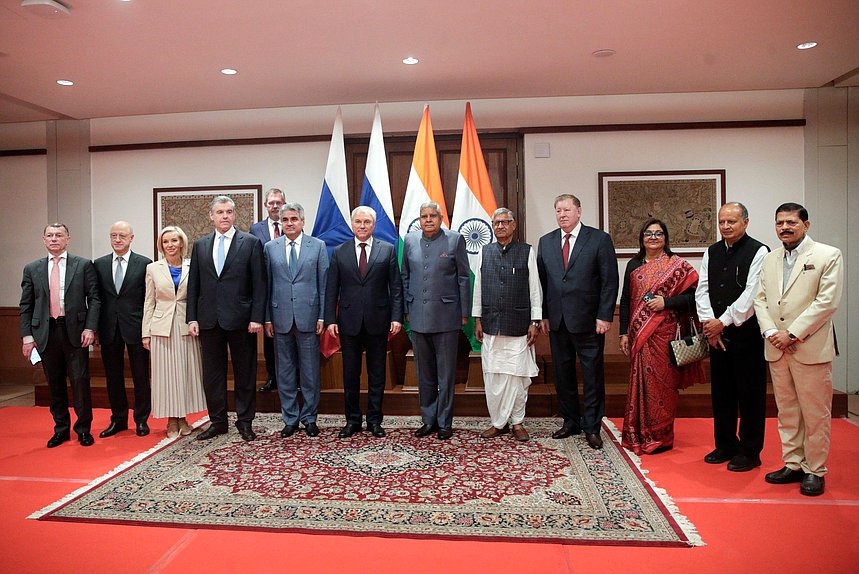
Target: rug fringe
{"points": [[92, 484], [684, 523]]}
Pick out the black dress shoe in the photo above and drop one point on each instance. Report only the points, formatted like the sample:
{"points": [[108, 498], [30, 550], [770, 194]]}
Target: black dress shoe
{"points": [[288, 430], [310, 429], [58, 439], [445, 433], [784, 475], [594, 440], [812, 485], [211, 433], [426, 430], [566, 430], [246, 432], [112, 429], [718, 456], [142, 429], [376, 430], [349, 430], [269, 386], [86, 439], [743, 463]]}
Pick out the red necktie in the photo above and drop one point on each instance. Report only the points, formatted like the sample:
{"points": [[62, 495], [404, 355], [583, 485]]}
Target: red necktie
{"points": [[566, 251], [55, 288], [362, 261], [276, 230]]}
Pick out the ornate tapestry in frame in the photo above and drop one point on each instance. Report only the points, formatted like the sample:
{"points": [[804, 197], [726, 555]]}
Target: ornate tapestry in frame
{"points": [[188, 208], [688, 201]]}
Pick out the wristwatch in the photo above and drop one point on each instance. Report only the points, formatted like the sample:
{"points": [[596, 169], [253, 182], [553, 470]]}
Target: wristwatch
{"points": [[536, 323]]}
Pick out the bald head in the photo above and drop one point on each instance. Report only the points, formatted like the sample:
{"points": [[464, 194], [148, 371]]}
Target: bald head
{"points": [[121, 236]]}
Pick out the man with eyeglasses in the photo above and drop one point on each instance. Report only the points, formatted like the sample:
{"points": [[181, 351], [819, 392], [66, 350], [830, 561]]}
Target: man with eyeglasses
{"points": [[508, 308], [727, 283], [267, 230], [800, 288]]}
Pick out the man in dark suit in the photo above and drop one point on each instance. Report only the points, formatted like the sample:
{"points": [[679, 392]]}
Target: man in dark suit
{"points": [[267, 230], [437, 287], [364, 279], [226, 308], [122, 288], [578, 273], [297, 267], [59, 316]]}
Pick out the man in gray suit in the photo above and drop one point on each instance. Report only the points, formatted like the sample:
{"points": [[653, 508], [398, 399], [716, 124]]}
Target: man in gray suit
{"points": [[59, 317], [436, 281], [297, 267]]}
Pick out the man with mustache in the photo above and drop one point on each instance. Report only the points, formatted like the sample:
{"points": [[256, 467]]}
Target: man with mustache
{"points": [[799, 291]]}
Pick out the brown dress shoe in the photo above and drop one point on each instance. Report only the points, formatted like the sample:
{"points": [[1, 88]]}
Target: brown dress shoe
{"points": [[520, 433], [493, 432]]}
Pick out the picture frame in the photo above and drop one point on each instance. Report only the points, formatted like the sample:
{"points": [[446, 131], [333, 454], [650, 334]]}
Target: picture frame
{"points": [[188, 208], [687, 201]]}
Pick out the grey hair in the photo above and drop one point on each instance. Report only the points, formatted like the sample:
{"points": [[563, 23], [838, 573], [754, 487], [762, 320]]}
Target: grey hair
{"points": [[566, 196], [430, 205], [293, 206], [363, 209], [503, 211], [271, 192], [221, 199], [743, 211]]}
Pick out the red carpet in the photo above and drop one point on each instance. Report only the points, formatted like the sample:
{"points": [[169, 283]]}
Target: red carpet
{"points": [[748, 525]]}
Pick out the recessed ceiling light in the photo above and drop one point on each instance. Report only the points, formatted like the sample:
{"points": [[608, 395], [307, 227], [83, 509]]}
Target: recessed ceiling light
{"points": [[807, 45], [65, 82], [605, 53], [410, 61], [229, 72]]}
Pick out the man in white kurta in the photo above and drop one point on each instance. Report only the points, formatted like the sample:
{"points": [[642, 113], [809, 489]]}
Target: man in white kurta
{"points": [[507, 306]]}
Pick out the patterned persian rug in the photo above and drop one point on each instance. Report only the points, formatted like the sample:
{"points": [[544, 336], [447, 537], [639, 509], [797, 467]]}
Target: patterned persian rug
{"points": [[545, 490]]}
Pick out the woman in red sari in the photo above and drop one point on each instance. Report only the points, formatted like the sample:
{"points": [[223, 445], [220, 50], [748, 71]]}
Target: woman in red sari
{"points": [[658, 292]]}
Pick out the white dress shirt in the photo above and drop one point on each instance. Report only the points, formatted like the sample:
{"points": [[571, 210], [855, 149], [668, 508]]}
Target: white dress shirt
{"points": [[740, 310], [574, 232], [368, 243], [297, 240], [125, 258], [228, 240], [63, 263]]}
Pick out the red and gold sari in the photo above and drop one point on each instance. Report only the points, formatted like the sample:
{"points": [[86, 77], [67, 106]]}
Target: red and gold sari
{"points": [[651, 400]]}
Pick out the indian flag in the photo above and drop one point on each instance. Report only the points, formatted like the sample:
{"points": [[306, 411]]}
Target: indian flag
{"points": [[424, 181], [474, 203]]}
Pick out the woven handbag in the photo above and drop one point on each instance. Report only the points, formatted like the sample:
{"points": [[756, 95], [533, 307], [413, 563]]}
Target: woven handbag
{"points": [[689, 349]]}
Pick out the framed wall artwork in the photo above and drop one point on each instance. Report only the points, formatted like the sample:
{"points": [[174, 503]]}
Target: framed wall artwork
{"points": [[188, 208], [688, 201]]}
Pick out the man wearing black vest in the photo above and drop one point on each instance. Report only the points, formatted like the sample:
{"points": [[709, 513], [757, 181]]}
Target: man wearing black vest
{"points": [[725, 295], [508, 308]]}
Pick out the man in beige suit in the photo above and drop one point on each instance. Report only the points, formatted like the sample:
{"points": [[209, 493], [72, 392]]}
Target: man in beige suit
{"points": [[800, 287]]}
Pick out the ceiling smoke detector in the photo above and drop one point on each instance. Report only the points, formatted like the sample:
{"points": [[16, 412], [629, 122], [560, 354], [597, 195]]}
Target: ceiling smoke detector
{"points": [[46, 8]]}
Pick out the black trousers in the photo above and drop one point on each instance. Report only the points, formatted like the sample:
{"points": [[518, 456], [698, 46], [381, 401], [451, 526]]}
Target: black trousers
{"points": [[589, 347], [242, 346], [739, 386], [353, 347], [268, 353], [112, 355], [62, 358]]}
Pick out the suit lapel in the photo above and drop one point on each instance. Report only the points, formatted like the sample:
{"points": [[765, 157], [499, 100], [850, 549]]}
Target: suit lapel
{"points": [[71, 268], [303, 254], [235, 245], [798, 267], [581, 240], [206, 245], [374, 256]]}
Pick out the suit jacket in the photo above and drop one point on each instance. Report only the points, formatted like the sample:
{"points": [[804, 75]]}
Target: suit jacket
{"points": [[82, 302], [296, 299], [163, 301], [437, 287], [374, 301], [126, 307], [237, 296], [806, 306], [260, 231], [587, 289]]}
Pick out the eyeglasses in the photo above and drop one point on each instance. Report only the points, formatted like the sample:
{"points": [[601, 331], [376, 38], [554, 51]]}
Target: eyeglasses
{"points": [[502, 222], [656, 234]]}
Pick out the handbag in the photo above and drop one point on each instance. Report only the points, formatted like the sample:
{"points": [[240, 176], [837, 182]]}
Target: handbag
{"points": [[689, 349]]}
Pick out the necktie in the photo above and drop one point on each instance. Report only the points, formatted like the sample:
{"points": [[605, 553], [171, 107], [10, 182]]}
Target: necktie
{"points": [[219, 264], [55, 288], [276, 229], [566, 251], [292, 258], [119, 275], [362, 261]]}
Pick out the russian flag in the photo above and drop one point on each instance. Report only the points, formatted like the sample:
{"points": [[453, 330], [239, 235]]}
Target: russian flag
{"points": [[376, 190], [332, 223]]}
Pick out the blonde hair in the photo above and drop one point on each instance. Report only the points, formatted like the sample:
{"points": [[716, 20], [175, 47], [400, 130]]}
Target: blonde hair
{"points": [[182, 237]]}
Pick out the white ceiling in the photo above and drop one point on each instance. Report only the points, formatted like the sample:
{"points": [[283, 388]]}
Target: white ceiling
{"points": [[161, 56]]}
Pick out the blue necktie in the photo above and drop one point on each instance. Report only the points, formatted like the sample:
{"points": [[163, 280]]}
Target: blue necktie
{"points": [[292, 258], [219, 264]]}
